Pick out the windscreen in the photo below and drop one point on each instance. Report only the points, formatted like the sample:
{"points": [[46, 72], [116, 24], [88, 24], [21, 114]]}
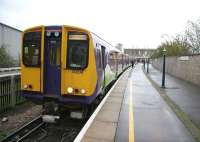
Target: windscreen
{"points": [[77, 53], [31, 48]]}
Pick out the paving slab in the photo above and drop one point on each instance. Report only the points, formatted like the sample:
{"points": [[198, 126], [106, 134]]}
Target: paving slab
{"points": [[108, 115], [87, 139], [102, 130]]}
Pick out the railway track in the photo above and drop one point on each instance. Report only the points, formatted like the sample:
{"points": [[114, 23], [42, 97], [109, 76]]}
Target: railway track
{"points": [[66, 130], [23, 132]]}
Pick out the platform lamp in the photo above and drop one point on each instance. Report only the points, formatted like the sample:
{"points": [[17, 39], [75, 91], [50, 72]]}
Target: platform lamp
{"points": [[163, 73], [147, 65]]}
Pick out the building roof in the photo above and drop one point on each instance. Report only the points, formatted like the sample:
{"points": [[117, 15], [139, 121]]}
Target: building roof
{"points": [[10, 27]]}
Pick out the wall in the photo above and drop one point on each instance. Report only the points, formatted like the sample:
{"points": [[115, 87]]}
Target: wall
{"points": [[11, 39], [186, 68]]}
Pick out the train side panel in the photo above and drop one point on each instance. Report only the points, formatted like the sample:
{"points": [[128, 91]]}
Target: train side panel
{"points": [[110, 71], [105, 63]]}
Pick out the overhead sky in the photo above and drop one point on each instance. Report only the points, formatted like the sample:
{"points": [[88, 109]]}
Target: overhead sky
{"points": [[134, 23]]}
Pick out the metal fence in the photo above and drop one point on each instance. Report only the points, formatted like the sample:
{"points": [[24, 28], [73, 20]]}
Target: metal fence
{"points": [[10, 91], [10, 69]]}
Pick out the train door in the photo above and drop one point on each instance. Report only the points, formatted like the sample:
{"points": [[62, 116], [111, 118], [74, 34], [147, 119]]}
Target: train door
{"points": [[52, 53]]}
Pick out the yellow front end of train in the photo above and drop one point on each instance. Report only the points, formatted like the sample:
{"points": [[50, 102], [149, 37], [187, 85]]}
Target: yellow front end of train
{"points": [[47, 67]]}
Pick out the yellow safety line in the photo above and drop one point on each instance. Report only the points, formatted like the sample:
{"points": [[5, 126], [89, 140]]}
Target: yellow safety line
{"points": [[131, 120]]}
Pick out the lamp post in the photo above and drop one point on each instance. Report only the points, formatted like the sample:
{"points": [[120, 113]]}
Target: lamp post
{"points": [[148, 65], [163, 73]]}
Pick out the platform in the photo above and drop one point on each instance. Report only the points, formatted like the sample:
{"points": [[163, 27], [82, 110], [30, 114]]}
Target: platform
{"points": [[152, 120]]}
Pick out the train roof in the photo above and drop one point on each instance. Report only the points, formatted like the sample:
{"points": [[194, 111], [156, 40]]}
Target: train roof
{"points": [[112, 48]]}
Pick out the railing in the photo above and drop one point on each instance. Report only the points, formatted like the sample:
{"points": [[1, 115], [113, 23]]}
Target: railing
{"points": [[10, 91], [9, 69]]}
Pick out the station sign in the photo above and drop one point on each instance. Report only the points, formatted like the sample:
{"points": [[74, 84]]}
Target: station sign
{"points": [[184, 58]]}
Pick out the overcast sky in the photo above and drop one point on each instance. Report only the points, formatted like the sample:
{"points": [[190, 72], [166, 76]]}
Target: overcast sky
{"points": [[134, 23]]}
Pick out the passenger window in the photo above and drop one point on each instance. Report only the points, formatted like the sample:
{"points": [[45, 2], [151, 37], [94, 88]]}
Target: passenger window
{"points": [[103, 56], [99, 58]]}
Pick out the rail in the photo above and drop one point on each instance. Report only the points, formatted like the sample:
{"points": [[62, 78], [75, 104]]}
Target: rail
{"points": [[23, 132]]}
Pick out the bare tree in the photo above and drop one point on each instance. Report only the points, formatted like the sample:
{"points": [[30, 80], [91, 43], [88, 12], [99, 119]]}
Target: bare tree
{"points": [[193, 36]]}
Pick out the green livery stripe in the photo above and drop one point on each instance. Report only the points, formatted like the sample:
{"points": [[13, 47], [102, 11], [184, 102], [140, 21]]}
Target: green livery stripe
{"points": [[109, 75]]}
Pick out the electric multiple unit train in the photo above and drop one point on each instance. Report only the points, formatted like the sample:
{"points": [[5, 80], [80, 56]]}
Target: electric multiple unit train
{"points": [[65, 67]]}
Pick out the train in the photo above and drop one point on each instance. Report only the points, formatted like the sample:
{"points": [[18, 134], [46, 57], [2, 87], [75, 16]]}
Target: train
{"points": [[67, 68]]}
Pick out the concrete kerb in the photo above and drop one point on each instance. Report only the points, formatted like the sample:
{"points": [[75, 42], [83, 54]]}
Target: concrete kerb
{"points": [[193, 129]]}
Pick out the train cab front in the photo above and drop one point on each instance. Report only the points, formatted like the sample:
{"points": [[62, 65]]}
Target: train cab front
{"points": [[31, 63], [58, 66]]}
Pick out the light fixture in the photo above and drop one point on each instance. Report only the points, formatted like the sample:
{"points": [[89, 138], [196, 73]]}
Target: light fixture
{"points": [[82, 91], [70, 90], [25, 86], [48, 33], [164, 51], [56, 34]]}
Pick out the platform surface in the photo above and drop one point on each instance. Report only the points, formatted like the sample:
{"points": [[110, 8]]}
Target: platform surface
{"points": [[184, 94], [104, 126], [153, 120]]}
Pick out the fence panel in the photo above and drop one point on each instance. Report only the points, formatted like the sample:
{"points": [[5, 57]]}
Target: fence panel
{"points": [[10, 92], [19, 97]]}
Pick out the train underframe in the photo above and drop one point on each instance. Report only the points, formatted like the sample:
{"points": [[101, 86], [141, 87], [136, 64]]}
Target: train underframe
{"points": [[53, 111]]}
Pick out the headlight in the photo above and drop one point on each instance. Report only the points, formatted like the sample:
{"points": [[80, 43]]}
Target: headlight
{"points": [[48, 34], [82, 91], [25, 86], [70, 90], [56, 34]]}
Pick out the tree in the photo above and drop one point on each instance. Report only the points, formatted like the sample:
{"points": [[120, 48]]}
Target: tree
{"points": [[193, 36], [177, 47], [182, 44], [5, 59]]}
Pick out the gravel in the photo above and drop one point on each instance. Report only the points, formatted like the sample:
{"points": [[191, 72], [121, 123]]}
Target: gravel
{"points": [[18, 116]]}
